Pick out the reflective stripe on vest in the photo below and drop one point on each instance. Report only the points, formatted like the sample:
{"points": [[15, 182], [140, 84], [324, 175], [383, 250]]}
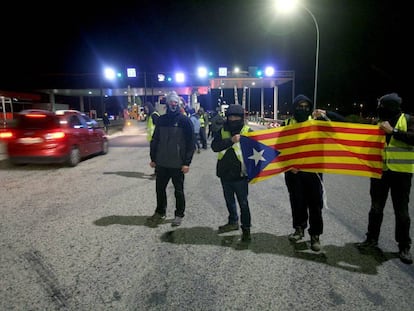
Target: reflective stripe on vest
{"points": [[399, 156], [236, 146]]}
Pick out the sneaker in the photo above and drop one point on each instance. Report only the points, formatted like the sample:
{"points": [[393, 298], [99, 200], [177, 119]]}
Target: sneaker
{"points": [[228, 228], [405, 256], [198, 150], [368, 243], [315, 244], [177, 221], [156, 219], [246, 235], [297, 235]]}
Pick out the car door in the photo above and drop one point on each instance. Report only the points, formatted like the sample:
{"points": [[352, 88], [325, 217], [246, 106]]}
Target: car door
{"points": [[95, 136], [80, 134]]}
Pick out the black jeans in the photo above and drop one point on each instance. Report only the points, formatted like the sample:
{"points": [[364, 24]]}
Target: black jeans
{"points": [[400, 186], [306, 200], [164, 174]]}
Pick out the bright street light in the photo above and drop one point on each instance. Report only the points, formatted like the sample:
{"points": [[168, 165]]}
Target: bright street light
{"points": [[289, 5]]}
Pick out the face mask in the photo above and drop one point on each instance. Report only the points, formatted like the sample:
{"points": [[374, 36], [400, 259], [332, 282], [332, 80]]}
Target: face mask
{"points": [[172, 108], [235, 126], [301, 115], [387, 114]]}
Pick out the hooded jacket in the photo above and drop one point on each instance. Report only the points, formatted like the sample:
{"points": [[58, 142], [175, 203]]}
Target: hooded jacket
{"points": [[172, 144]]}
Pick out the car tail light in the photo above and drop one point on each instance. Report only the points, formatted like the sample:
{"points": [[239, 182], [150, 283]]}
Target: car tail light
{"points": [[6, 134], [35, 115], [55, 135]]}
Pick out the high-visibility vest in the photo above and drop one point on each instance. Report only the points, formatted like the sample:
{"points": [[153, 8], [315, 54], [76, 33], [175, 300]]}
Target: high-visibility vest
{"points": [[236, 146], [151, 126], [202, 121], [293, 120], [399, 156]]}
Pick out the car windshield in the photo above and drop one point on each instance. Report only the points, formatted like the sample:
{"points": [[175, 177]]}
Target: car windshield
{"points": [[34, 122]]}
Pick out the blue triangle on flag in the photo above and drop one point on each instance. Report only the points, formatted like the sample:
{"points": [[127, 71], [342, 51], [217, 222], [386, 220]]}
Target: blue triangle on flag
{"points": [[256, 156]]}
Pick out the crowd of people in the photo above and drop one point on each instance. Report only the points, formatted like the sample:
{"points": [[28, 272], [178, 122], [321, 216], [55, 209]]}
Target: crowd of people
{"points": [[176, 135]]}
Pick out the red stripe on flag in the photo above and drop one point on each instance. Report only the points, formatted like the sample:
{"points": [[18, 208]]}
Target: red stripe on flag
{"points": [[328, 153]]}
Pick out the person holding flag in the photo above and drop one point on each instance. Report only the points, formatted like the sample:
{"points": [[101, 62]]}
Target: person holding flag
{"points": [[398, 169], [232, 171], [306, 189]]}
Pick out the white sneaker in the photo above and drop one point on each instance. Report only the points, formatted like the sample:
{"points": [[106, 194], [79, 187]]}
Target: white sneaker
{"points": [[177, 221]]}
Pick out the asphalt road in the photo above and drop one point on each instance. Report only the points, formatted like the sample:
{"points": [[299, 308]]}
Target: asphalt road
{"points": [[75, 239]]}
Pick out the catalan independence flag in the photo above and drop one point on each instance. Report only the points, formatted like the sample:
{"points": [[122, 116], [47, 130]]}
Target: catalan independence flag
{"points": [[314, 146]]}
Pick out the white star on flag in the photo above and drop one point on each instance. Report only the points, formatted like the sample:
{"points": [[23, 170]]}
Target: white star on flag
{"points": [[257, 156]]}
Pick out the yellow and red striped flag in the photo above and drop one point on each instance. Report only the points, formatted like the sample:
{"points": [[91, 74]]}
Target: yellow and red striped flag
{"points": [[314, 146]]}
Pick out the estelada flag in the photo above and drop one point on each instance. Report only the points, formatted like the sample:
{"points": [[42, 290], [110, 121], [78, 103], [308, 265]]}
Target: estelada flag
{"points": [[314, 146]]}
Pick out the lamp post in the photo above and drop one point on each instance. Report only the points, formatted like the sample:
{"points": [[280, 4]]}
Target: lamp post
{"points": [[285, 5], [316, 56]]}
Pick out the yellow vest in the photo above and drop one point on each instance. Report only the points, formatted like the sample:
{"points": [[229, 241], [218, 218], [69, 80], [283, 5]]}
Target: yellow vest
{"points": [[150, 126], [236, 146], [399, 156], [293, 120], [202, 121]]}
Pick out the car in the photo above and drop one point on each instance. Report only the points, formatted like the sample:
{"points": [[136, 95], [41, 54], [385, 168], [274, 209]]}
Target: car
{"points": [[89, 121], [45, 137]]}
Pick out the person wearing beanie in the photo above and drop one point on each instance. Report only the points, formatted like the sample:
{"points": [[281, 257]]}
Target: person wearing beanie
{"points": [[306, 188], [171, 153], [232, 171], [398, 169]]}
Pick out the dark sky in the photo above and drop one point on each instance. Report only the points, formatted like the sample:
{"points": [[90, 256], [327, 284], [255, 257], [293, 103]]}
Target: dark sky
{"points": [[364, 44]]}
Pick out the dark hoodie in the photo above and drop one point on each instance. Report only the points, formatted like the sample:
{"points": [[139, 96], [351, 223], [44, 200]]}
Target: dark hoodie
{"points": [[302, 114], [389, 108]]}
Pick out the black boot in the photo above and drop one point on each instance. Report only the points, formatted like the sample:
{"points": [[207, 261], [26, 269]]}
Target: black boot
{"points": [[246, 235]]}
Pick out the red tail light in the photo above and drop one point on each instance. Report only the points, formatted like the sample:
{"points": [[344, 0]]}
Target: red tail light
{"points": [[55, 135], [35, 115], [6, 135]]}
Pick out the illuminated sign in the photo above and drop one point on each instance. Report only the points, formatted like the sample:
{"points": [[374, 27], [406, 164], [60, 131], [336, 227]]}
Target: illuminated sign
{"points": [[222, 72]]}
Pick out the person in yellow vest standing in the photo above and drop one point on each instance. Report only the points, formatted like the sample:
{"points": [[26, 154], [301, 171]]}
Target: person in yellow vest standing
{"points": [[232, 171], [152, 118], [203, 124], [396, 176]]}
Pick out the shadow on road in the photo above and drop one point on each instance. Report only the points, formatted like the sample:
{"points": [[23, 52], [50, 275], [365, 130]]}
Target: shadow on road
{"points": [[346, 257], [132, 174]]}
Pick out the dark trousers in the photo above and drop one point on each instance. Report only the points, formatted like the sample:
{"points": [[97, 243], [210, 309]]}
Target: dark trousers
{"points": [[164, 174], [237, 189], [306, 200], [400, 186], [197, 141], [203, 138]]}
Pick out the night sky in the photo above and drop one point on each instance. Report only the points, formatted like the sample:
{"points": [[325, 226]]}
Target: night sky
{"points": [[364, 49]]}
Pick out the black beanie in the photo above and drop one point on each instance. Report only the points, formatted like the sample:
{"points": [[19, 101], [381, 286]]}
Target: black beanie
{"points": [[391, 101], [235, 110]]}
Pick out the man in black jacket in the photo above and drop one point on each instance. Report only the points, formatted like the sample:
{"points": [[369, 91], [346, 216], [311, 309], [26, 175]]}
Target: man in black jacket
{"points": [[232, 171], [306, 188], [171, 151]]}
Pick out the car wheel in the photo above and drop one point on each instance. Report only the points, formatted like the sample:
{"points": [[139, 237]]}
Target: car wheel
{"points": [[105, 147], [74, 157]]}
